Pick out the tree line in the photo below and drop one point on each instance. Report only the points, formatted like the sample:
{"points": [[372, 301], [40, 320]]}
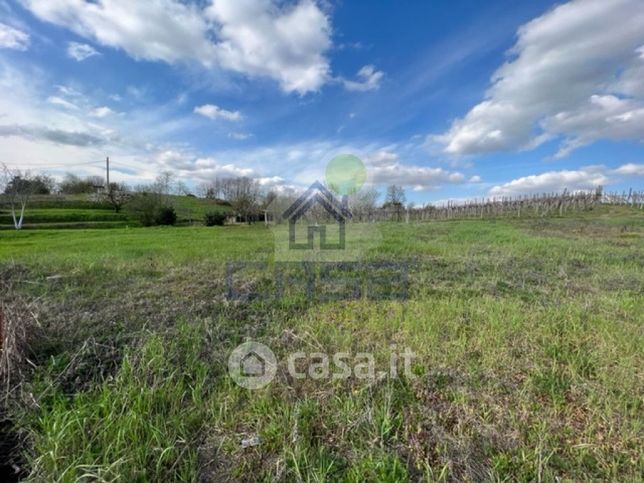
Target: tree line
{"points": [[151, 203], [249, 201]]}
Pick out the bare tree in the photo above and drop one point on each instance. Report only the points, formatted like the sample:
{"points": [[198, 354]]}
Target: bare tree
{"points": [[163, 183], [243, 195], [395, 199], [211, 190], [395, 196], [117, 195], [18, 186], [181, 188], [275, 203], [363, 203]]}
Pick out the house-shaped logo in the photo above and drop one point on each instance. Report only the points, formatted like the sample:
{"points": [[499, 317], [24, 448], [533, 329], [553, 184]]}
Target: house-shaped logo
{"points": [[252, 365], [317, 193]]}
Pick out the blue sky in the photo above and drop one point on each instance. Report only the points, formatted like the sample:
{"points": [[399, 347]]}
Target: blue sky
{"points": [[456, 99]]}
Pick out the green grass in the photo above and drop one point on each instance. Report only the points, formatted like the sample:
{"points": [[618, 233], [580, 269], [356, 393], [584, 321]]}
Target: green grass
{"points": [[194, 209], [528, 336], [82, 211], [142, 425], [58, 215], [82, 201]]}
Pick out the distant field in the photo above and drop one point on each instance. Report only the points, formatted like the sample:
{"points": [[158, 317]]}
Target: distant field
{"points": [[81, 211], [528, 335]]}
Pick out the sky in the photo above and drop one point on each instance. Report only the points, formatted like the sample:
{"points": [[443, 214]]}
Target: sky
{"points": [[452, 100]]}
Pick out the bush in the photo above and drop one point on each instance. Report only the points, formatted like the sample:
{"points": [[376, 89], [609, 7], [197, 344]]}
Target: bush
{"points": [[212, 219], [36, 185], [74, 185], [151, 209], [144, 208], [166, 216]]}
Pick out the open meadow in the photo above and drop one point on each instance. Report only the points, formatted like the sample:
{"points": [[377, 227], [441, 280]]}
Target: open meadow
{"points": [[321, 241], [527, 337]]}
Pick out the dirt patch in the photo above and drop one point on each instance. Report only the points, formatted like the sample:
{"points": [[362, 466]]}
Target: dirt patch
{"points": [[448, 436], [581, 228]]}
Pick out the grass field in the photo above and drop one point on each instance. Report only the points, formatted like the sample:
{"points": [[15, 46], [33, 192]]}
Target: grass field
{"points": [[527, 334], [81, 211]]}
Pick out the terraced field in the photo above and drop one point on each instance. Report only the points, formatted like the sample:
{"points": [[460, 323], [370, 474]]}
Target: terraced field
{"points": [[81, 211]]}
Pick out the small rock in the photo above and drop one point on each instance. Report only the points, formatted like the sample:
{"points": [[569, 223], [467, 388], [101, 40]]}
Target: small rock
{"points": [[249, 442]]}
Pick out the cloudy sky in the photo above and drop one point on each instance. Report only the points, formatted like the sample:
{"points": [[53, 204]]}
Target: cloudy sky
{"points": [[450, 99]]}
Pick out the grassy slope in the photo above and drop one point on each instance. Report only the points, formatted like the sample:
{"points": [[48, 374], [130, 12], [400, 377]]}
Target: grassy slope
{"points": [[79, 211], [528, 335]]}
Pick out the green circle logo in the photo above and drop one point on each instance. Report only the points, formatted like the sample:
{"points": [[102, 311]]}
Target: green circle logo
{"points": [[345, 174]]}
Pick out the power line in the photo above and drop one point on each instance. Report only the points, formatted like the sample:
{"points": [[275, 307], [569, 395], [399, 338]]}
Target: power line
{"points": [[93, 164], [48, 166]]}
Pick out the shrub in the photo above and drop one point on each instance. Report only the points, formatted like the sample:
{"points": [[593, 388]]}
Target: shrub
{"points": [[214, 218], [166, 216], [144, 208], [16, 329], [36, 185], [74, 185], [151, 209]]}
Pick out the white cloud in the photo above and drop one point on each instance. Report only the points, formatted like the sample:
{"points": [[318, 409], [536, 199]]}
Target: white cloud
{"points": [[368, 80], [271, 181], [585, 178], [201, 168], [631, 169], [71, 92], [214, 112], [65, 134], [80, 52], [12, 38], [239, 136], [101, 112], [59, 101], [575, 71], [289, 166], [607, 117], [56, 136], [384, 167], [382, 158], [51, 130], [164, 30], [286, 42], [418, 177]]}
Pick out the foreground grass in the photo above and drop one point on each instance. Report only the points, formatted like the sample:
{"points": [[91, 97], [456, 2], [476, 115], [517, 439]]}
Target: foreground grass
{"points": [[528, 337]]}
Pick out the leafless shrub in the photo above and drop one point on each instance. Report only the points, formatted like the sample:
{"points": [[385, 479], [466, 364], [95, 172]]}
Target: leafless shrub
{"points": [[17, 326]]}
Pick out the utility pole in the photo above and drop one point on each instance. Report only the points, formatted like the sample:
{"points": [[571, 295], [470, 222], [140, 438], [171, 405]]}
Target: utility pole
{"points": [[107, 165]]}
